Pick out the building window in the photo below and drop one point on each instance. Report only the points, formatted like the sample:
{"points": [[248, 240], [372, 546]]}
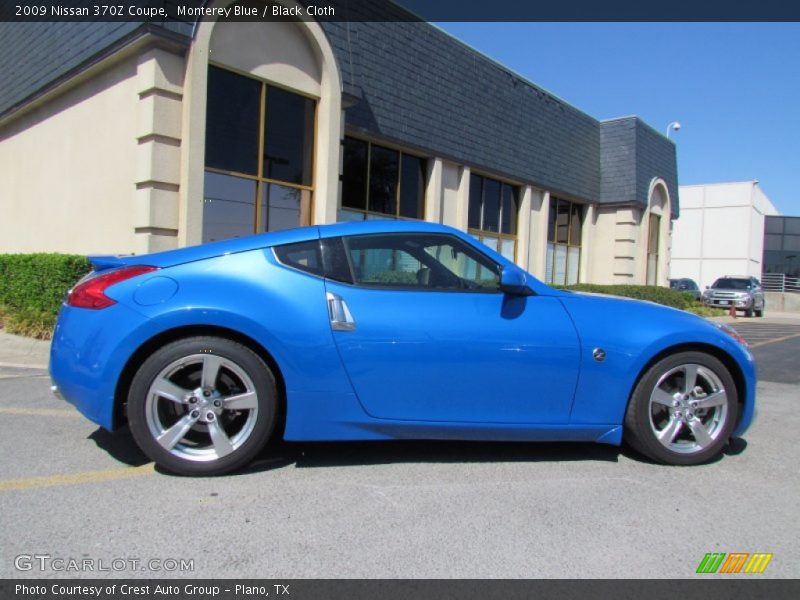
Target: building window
{"points": [[782, 246], [381, 183], [259, 152], [653, 229], [493, 210], [564, 228]]}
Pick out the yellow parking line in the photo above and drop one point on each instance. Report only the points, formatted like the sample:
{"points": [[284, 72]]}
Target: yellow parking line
{"points": [[10, 485], [39, 412], [776, 340]]}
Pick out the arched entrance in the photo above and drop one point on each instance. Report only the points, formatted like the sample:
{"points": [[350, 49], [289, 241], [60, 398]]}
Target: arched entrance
{"points": [[263, 122], [656, 228]]}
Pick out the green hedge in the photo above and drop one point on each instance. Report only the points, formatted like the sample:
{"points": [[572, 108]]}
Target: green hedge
{"points": [[32, 288], [660, 295], [393, 278]]}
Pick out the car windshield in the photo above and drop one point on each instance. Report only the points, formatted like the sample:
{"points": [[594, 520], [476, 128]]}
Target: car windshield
{"points": [[727, 283]]}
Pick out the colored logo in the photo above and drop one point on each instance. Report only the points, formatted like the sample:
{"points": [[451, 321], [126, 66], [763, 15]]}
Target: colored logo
{"points": [[735, 562]]}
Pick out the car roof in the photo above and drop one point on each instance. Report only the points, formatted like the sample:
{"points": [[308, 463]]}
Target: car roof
{"points": [[287, 236], [381, 226]]}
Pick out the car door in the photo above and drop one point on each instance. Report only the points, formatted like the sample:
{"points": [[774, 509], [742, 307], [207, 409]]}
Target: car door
{"points": [[425, 334]]}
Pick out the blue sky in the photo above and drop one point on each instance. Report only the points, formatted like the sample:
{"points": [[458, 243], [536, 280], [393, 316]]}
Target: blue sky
{"points": [[735, 88]]}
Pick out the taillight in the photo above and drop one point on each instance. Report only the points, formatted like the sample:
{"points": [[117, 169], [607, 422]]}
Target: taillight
{"points": [[91, 293]]}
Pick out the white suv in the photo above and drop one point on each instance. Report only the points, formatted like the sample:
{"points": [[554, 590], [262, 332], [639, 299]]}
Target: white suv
{"points": [[743, 293]]}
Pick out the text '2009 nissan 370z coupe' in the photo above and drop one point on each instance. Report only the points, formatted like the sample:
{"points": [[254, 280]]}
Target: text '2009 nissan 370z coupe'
{"points": [[384, 330]]}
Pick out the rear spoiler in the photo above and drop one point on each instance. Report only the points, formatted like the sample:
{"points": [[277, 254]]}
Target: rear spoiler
{"points": [[102, 263]]}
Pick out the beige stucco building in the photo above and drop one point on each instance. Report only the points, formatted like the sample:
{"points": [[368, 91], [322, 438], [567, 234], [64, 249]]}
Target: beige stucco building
{"points": [[155, 137]]}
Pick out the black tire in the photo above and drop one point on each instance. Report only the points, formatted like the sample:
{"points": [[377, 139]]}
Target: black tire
{"points": [[240, 378], [645, 420], [748, 313], [760, 312]]}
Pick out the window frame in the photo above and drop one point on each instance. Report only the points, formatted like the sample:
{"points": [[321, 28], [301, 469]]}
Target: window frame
{"points": [[568, 244], [479, 233], [326, 248], [398, 188], [262, 183], [326, 245]]}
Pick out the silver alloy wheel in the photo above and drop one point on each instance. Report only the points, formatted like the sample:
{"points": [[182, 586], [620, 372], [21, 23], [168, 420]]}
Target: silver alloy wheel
{"points": [[201, 407], [688, 408]]}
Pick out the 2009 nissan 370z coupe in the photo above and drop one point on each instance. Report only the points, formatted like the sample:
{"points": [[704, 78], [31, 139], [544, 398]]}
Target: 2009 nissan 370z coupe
{"points": [[383, 330]]}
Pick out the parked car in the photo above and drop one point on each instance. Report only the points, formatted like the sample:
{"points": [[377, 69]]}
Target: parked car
{"points": [[688, 286], [743, 293], [384, 330]]}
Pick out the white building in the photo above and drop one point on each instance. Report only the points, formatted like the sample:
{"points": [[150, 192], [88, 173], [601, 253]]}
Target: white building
{"points": [[720, 231]]}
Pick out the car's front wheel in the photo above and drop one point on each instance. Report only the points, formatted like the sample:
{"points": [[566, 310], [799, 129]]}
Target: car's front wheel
{"points": [[683, 409], [202, 406]]}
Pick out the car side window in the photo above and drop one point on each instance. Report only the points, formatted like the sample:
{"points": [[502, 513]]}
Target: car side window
{"points": [[304, 256], [434, 262]]}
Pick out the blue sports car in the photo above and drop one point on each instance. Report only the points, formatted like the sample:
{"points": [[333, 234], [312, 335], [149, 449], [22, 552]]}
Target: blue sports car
{"points": [[383, 330]]}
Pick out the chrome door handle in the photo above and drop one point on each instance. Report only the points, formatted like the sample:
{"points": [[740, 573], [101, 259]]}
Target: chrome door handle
{"points": [[339, 314]]}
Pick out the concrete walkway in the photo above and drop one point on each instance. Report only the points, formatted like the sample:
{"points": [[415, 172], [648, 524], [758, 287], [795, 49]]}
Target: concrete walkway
{"points": [[18, 351]]}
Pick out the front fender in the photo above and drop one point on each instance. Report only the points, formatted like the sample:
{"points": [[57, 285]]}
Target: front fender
{"points": [[632, 333]]}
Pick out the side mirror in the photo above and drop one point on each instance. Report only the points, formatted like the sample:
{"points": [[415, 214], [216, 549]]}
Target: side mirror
{"points": [[514, 281], [708, 287]]}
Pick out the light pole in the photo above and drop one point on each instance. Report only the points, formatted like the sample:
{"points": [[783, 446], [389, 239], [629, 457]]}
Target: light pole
{"points": [[674, 125]]}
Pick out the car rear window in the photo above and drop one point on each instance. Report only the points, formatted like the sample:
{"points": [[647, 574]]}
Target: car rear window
{"points": [[304, 256]]}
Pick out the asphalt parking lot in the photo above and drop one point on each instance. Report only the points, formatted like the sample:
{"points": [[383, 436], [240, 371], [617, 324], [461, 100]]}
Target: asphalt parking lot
{"points": [[417, 509]]}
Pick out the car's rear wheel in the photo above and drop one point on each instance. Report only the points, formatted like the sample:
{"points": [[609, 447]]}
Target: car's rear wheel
{"points": [[683, 410], [202, 406]]}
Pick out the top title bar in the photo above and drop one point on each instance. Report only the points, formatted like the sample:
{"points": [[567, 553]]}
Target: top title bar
{"points": [[159, 11]]}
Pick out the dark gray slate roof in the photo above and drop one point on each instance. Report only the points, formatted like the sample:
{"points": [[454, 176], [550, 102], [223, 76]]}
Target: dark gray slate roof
{"points": [[414, 85], [420, 87], [655, 157], [35, 56], [632, 154]]}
